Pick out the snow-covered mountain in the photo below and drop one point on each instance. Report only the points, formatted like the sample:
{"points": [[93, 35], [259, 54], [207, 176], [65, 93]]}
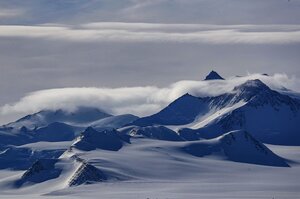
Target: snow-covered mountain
{"points": [[191, 138], [59, 125], [85, 174], [113, 121], [183, 110], [91, 139], [269, 115], [40, 171], [72, 171], [20, 158], [237, 146], [78, 166], [79, 116]]}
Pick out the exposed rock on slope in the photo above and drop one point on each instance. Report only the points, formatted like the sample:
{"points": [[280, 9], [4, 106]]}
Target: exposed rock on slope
{"points": [[42, 170], [54, 132], [156, 132], [86, 174], [91, 139]]}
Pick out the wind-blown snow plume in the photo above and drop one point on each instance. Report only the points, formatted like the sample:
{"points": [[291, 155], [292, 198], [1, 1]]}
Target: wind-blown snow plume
{"points": [[136, 100]]}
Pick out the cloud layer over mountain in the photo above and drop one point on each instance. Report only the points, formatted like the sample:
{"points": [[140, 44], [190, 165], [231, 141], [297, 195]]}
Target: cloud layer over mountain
{"points": [[137, 100]]}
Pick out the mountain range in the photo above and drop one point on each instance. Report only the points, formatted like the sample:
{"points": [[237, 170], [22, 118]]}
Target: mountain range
{"points": [[85, 145]]}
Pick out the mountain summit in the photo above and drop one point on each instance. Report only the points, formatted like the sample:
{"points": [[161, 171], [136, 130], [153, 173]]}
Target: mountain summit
{"points": [[213, 75], [255, 86]]}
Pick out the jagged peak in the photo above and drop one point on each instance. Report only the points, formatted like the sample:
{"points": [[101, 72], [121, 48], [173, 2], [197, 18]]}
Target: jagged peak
{"points": [[213, 75], [38, 166], [85, 174], [89, 129]]}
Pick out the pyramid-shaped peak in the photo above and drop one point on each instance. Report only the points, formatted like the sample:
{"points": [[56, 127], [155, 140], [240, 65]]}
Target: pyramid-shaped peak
{"points": [[186, 95], [213, 75], [86, 174]]}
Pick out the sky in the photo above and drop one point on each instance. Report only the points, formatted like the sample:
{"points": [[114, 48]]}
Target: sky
{"points": [[153, 44]]}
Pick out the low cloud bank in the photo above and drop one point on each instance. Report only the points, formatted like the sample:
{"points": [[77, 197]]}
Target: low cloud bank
{"points": [[151, 32], [140, 101]]}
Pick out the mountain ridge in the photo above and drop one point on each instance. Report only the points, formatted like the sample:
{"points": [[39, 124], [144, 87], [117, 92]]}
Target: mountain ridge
{"points": [[231, 111]]}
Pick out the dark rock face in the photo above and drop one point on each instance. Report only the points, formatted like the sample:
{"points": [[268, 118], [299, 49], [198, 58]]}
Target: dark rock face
{"points": [[86, 174], [213, 75], [40, 171], [54, 132], [23, 158], [91, 139], [157, 132]]}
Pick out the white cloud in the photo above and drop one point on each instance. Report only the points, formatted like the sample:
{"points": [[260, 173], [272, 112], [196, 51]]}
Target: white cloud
{"points": [[145, 32], [136, 100]]}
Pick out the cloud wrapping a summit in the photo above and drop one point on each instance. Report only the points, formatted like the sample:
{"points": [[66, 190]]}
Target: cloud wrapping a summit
{"points": [[135, 100]]}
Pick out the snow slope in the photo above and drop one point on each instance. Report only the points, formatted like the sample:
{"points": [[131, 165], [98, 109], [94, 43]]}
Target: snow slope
{"points": [[113, 121], [237, 146], [182, 111], [164, 169]]}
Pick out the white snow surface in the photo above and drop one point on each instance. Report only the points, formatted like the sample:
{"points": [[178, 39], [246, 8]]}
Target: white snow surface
{"points": [[47, 145], [150, 168]]}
